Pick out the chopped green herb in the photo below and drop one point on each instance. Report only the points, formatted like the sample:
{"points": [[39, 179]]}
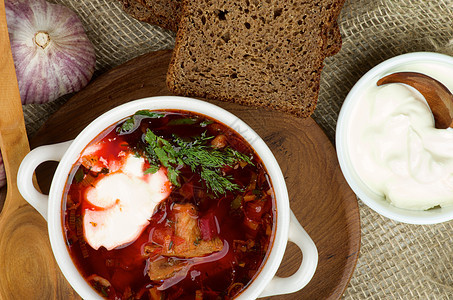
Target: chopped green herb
{"points": [[236, 203], [183, 121], [104, 291], [197, 154], [161, 150], [170, 245], [78, 176], [127, 126], [216, 182], [152, 170], [172, 175], [149, 114], [239, 155]]}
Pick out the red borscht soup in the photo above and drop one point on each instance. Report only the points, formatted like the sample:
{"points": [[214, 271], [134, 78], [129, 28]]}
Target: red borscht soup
{"points": [[169, 205]]}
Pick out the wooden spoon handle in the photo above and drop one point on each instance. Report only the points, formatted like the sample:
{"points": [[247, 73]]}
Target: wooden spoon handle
{"points": [[28, 269], [439, 98], [13, 135]]}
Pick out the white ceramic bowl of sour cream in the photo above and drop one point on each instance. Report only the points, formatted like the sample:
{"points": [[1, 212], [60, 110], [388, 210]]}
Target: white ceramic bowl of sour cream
{"points": [[355, 121]]}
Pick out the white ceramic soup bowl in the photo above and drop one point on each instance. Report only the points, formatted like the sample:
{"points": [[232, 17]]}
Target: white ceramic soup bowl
{"points": [[435, 65], [287, 227]]}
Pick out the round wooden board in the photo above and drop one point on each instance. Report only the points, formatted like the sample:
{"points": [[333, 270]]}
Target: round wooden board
{"points": [[320, 197]]}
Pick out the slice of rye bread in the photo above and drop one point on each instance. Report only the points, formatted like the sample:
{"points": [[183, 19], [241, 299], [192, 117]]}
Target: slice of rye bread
{"points": [[257, 53], [167, 13], [163, 13]]}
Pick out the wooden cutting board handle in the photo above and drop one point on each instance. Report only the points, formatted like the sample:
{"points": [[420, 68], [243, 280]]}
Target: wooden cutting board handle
{"points": [[28, 269]]}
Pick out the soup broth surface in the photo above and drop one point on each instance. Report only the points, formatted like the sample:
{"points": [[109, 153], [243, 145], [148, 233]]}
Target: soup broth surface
{"points": [[194, 218]]}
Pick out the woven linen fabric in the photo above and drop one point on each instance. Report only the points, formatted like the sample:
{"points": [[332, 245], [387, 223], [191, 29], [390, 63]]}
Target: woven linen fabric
{"points": [[397, 261]]}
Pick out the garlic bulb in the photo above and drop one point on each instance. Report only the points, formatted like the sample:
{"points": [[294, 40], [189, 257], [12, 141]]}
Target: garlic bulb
{"points": [[52, 54]]}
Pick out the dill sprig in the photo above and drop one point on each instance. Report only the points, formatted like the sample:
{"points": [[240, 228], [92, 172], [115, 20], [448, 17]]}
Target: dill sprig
{"points": [[197, 154], [160, 151]]}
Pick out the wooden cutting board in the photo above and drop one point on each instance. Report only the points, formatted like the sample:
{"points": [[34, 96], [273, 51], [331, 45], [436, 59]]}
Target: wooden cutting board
{"points": [[320, 197]]}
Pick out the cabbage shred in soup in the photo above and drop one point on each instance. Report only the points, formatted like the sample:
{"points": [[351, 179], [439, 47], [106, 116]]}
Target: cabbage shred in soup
{"points": [[169, 205]]}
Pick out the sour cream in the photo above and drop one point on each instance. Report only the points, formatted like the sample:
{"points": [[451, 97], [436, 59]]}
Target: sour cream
{"points": [[395, 149], [124, 201]]}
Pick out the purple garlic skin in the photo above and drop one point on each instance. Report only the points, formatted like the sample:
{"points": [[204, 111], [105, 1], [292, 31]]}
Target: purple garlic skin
{"points": [[52, 53], [2, 173]]}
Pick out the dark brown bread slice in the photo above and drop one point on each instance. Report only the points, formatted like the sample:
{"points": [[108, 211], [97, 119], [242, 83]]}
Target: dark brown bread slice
{"points": [[163, 13], [167, 13], [258, 53]]}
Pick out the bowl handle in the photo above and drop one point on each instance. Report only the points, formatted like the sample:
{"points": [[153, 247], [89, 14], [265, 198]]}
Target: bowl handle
{"points": [[307, 268], [27, 168]]}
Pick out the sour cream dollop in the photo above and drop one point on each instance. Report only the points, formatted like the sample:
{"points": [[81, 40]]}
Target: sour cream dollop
{"points": [[396, 150], [123, 202]]}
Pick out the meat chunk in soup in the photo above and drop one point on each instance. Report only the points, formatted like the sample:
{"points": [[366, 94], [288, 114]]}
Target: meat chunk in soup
{"points": [[164, 268], [187, 241]]}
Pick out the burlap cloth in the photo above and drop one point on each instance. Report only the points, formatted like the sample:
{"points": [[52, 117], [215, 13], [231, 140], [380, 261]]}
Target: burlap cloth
{"points": [[396, 260]]}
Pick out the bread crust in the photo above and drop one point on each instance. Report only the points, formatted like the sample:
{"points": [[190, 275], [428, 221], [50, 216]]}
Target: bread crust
{"points": [[167, 14]]}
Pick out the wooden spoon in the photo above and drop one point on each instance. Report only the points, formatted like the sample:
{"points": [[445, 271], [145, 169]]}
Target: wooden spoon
{"points": [[439, 98], [27, 267]]}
